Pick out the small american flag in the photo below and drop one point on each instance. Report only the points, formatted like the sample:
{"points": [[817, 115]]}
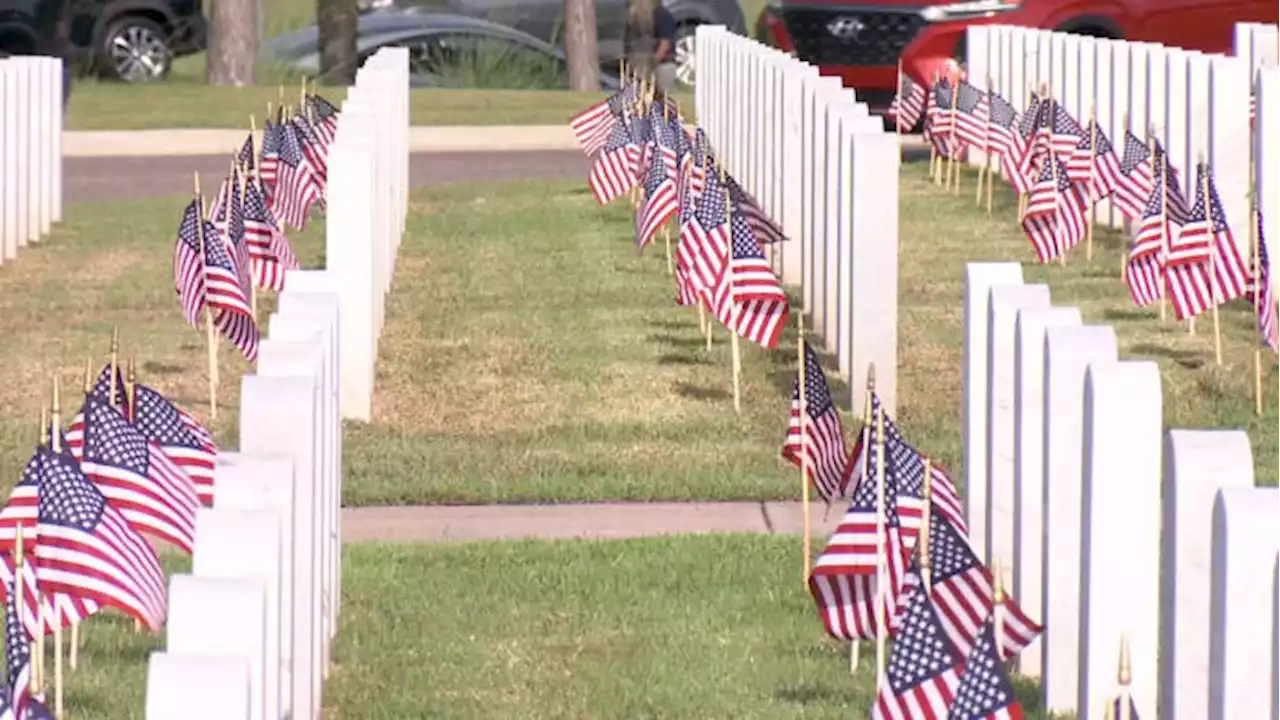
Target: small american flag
{"points": [[1094, 164], [660, 202], [164, 424], [908, 104], [815, 439], [845, 577], [1004, 139], [762, 226], [973, 111], [1056, 132], [245, 158], [1190, 253], [613, 174], [87, 549], [963, 593], [269, 159], [315, 149], [226, 282], [1137, 178], [1055, 219], [150, 491], [693, 169], [58, 608], [296, 190], [1145, 271], [73, 440], [922, 676], [593, 126], [704, 239], [1230, 277], [325, 118], [270, 254], [748, 298], [17, 655], [189, 275], [985, 692], [1266, 302]]}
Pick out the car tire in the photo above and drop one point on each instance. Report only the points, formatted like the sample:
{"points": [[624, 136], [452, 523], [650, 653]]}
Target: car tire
{"points": [[135, 49], [683, 54]]}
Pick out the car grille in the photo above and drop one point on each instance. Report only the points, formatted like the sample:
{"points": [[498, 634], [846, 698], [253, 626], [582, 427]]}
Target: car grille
{"points": [[880, 41]]}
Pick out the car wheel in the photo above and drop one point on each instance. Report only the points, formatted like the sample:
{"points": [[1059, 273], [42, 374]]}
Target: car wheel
{"points": [[135, 49], [686, 67]]}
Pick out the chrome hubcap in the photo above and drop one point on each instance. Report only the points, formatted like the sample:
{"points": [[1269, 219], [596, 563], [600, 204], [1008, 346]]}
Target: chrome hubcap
{"points": [[686, 67], [138, 55]]}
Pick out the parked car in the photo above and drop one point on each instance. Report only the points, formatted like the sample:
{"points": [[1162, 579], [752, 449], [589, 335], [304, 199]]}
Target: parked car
{"points": [[130, 40], [444, 51], [544, 19], [862, 44]]}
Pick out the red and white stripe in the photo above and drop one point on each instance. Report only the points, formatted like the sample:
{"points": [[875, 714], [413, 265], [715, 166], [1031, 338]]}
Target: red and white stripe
{"points": [[162, 504], [591, 127], [613, 175]]}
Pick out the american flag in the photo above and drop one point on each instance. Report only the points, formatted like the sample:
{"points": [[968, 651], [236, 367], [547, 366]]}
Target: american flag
{"points": [[73, 440], [973, 110], [845, 578], [641, 129], [315, 149], [1207, 223], [593, 126], [58, 608], [704, 240], [17, 655], [1145, 271], [749, 300], [963, 593], [269, 158], [660, 202], [296, 188], [923, 672], [1187, 263], [190, 277], [270, 254], [1137, 178], [1179, 205], [910, 477], [20, 511], [613, 174], [1055, 219], [667, 140], [1055, 132], [87, 549], [151, 492], [245, 158], [324, 116], [815, 439], [1004, 139], [226, 283], [908, 104], [985, 692], [164, 424], [765, 229], [686, 293], [1266, 302], [940, 119], [693, 169], [1095, 164]]}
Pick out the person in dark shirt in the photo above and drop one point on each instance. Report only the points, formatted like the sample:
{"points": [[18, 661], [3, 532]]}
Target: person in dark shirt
{"points": [[651, 39]]}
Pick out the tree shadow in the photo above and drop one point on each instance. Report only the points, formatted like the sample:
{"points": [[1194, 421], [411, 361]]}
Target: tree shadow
{"points": [[701, 393], [151, 367], [675, 341], [1191, 359], [686, 360]]}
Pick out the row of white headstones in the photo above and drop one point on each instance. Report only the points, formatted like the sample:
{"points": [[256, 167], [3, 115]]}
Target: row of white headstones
{"points": [[810, 154], [1109, 525], [1063, 447], [249, 630], [30, 151]]}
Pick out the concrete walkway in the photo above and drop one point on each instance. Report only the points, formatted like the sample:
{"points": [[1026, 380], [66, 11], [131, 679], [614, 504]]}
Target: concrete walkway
{"points": [[423, 139], [461, 523]]}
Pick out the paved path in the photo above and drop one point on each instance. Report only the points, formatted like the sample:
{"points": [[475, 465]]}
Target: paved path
{"points": [[120, 178], [600, 520]]}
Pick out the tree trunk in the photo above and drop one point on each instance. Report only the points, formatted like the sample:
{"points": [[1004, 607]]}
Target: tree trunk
{"points": [[233, 42], [580, 45], [337, 21]]}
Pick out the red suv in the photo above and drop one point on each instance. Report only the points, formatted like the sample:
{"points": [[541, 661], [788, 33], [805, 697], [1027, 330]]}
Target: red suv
{"points": [[861, 44]]}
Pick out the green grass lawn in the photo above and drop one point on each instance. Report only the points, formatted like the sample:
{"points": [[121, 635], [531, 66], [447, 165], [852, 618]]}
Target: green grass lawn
{"points": [[702, 627]]}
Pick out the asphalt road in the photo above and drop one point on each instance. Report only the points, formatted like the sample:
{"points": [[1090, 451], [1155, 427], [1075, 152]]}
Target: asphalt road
{"points": [[88, 179]]}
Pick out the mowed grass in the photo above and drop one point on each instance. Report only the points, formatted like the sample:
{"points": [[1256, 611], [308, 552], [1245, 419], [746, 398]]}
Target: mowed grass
{"points": [[941, 231], [108, 265], [530, 354], [702, 627]]}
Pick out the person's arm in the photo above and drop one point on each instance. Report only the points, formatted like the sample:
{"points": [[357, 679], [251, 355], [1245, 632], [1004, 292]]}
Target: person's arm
{"points": [[664, 31]]}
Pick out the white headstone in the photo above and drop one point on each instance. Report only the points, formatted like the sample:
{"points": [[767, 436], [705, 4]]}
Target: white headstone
{"points": [[978, 279], [1120, 591], [1002, 314], [873, 320], [1067, 353], [221, 616], [246, 543], [183, 686], [1242, 602], [1196, 464], [280, 415], [1028, 452]]}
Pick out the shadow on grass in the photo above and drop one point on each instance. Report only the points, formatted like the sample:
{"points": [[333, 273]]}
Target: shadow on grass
{"points": [[686, 360], [1185, 357], [676, 341], [700, 393], [812, 693]]}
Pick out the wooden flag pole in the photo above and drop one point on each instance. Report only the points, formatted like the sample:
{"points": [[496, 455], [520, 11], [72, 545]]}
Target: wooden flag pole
{"points": [[881, 560], [897, 117], [922, 542], [935, 160], [951, 147], [997, 605], [115, 363], [1093, 174], [55, 444], [1124, 677], [211, 335], [801, 383], [733, 333]]}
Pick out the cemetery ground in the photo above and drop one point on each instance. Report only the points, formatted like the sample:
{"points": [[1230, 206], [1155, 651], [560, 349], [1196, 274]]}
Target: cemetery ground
{"points": [[530, 355]]}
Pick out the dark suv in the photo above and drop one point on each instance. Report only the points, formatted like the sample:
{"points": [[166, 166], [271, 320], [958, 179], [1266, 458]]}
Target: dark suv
{"points": [[130, 40]]}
